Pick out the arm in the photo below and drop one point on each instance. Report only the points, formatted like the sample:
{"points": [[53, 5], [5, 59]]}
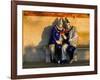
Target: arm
{"points": [[74, 37], [64, 36], [56, 37], [58, 42]]}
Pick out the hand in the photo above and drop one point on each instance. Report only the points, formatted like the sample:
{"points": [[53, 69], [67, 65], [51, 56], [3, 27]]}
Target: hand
{"points": [[62, 33], [64, 36], [58, 42]]}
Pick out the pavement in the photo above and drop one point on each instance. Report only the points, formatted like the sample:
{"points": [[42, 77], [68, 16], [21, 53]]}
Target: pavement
{"points": [[82, 61], [45, 65]]}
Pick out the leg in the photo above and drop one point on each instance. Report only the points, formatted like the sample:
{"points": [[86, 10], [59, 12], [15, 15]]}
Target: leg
{"points": [[52, 51], [64, 47], [71, 50], [58, 55], [75, 56]]}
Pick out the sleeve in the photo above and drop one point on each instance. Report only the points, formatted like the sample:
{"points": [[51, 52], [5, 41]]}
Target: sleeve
{"points": [[54, 34]]}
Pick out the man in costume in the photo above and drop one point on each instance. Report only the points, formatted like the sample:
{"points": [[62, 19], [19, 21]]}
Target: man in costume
{"points": [[55, 42], [70, 41]]}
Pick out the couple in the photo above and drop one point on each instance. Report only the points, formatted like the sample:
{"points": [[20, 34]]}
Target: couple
{"points": [[63, 41]]}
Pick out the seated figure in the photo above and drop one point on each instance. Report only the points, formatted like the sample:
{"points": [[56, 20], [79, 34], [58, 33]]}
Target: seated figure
{"points": [[55, 42], [63, 42], [70, 43]]}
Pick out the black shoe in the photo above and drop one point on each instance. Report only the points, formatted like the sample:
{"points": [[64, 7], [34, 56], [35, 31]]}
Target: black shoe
{"points": [[64, 62]]}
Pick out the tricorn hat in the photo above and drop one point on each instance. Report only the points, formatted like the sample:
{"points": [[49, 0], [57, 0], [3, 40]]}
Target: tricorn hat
{"points": [[60, 22], [66, 20]]}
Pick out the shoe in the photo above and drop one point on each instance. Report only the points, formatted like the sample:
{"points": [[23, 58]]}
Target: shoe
{"points": [[58, 61], [75, 58], [71, 61], [64, 62]]}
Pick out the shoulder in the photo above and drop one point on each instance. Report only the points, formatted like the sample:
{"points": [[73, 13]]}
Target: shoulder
{"points": [[53, 28]]}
